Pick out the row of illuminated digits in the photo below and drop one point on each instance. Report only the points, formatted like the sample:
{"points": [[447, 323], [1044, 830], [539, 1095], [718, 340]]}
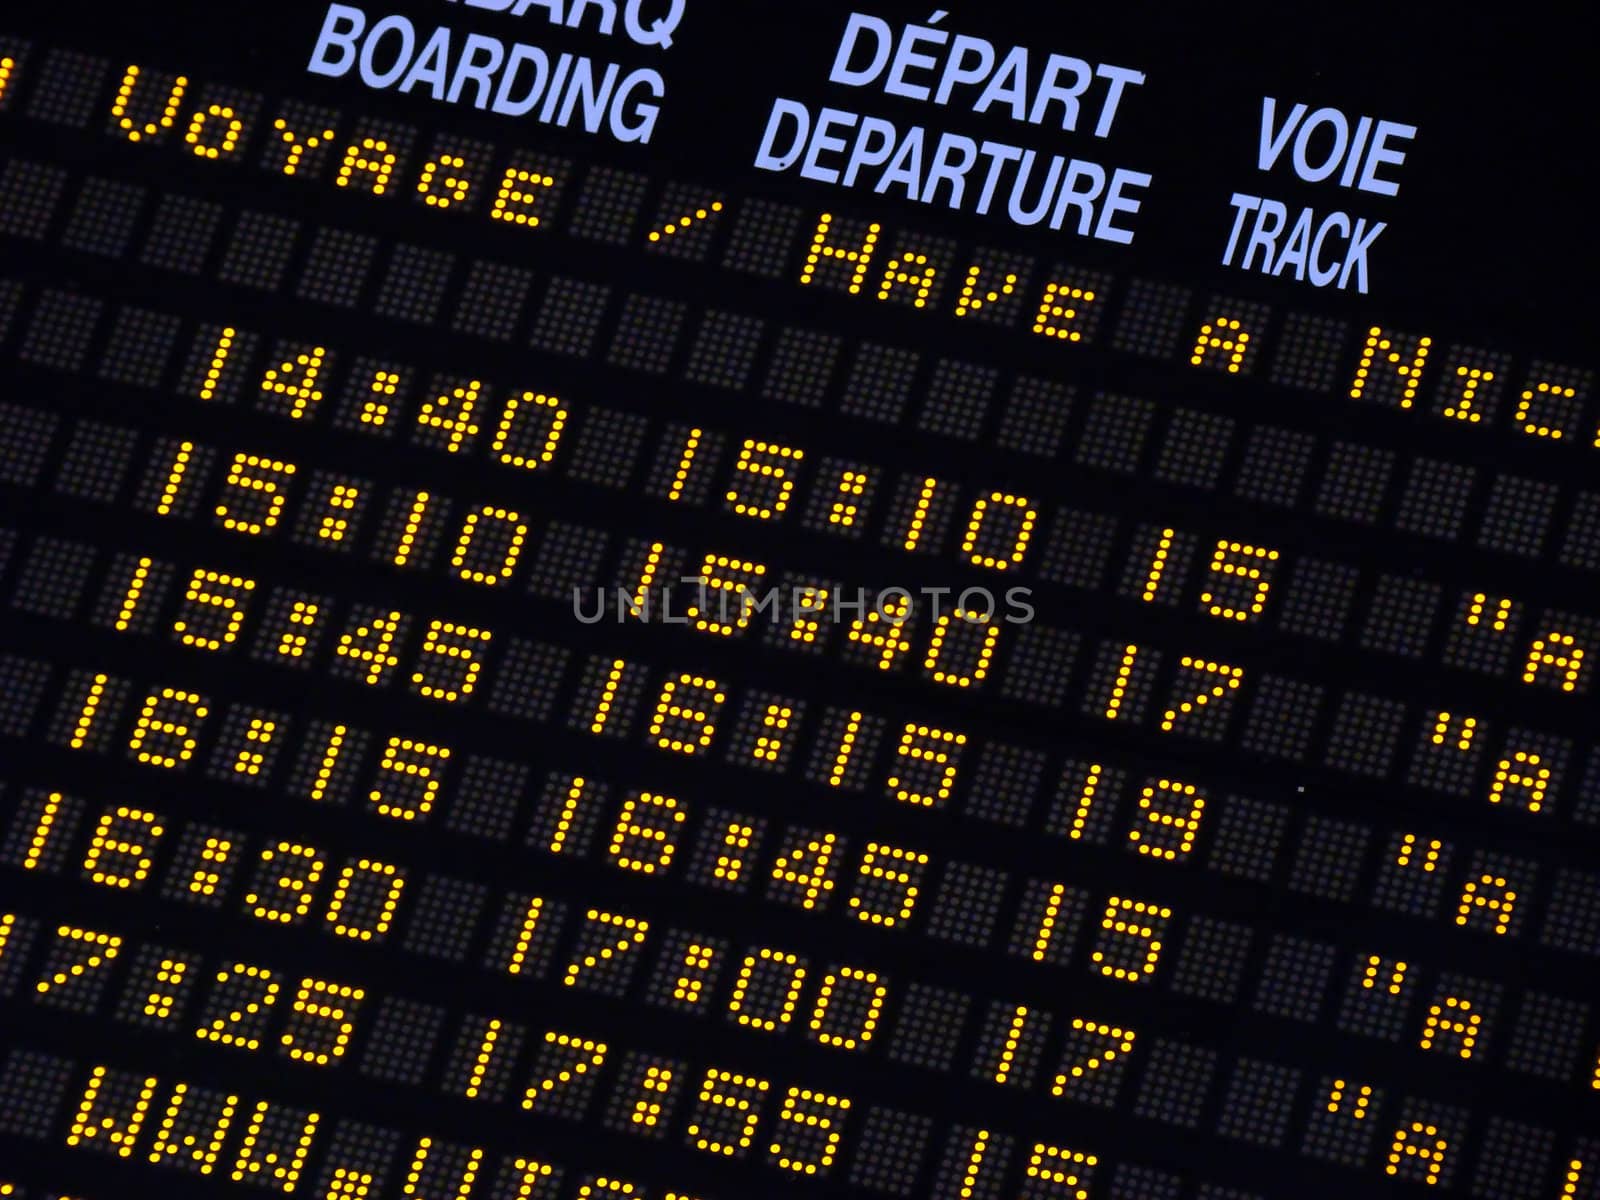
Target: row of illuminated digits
{"points": [[1127, 945], [523, 431], [843, 1006], [253, 495], [212, 608], [765, 480], [924, 765], [314, 1019], [168, 726], [166, 733], [688, 706], [170, 722], [686, 717], [996, 527], [292, 881], [649, 829], [730, 1113], [727, 594], [487, 541]]}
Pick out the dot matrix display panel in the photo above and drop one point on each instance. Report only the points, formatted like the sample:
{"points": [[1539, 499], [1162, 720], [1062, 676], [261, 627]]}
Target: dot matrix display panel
{"points": [[543, 660]]}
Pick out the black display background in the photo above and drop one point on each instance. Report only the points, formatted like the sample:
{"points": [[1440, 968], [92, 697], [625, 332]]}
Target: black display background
{"points": [[1488, 242]]}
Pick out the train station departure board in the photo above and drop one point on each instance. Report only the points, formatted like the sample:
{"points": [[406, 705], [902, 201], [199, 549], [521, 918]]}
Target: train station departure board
{"points": [[691, 600]]}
